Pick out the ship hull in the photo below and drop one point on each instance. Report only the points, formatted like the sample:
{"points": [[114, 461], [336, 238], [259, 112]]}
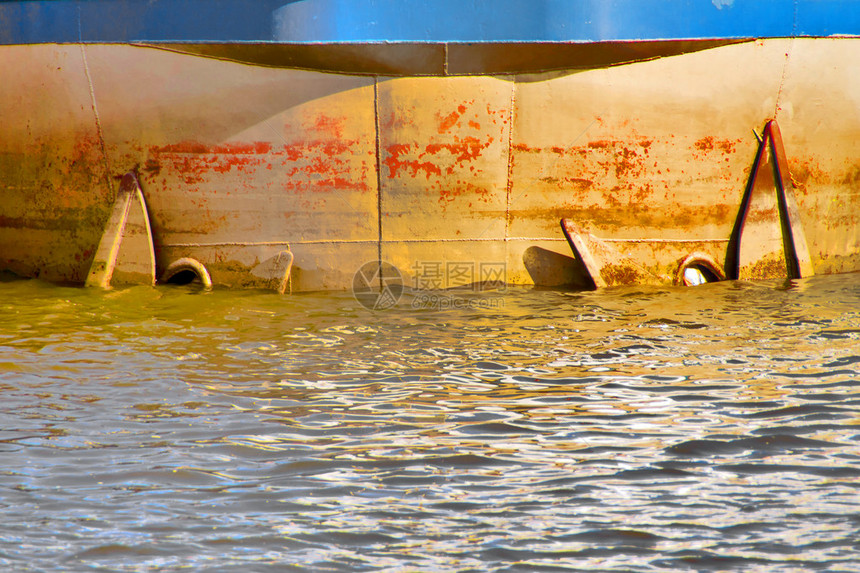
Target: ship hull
{"points": [[454, 178]]}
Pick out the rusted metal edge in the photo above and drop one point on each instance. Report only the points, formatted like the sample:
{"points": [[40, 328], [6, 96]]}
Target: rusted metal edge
{"points": [[375, 241], [606, 265], [732, 266], [794, 239]]}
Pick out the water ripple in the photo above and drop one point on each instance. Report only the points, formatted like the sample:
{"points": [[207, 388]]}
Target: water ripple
{"points": [[703, 429]]}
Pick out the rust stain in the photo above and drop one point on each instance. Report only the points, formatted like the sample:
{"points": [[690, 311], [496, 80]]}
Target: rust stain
{"points": [[152, 167], [59, 186], [635, 181], [852, 177], [626, 164], [192, 147], [705, 144], [84, 255], [450, 120], [760, 215], [579, 184], [523, 148], [709, 144], [330, 126], [461, 150], [768, 267], [716, 214], [805, 172], [182, 147], [466, 149], [464, 189], [395, 164], [727, 146], [320, 165], [619, 274]]}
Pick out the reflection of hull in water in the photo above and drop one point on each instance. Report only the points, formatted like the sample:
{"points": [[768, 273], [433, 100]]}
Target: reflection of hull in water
{"points": [[241, 156]]}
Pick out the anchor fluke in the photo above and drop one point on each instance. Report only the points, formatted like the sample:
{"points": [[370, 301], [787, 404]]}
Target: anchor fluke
{"points": [[768, 239], [125, 253]]}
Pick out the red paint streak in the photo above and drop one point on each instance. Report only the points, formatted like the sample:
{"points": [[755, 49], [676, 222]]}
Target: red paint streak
{"points": [[462, 188], [318, 165], [626, 165], [182, 147], [294, 152], [466, 149], [192, 147], [452, 119], [394, 162], [401, 157], [329, 126], [448, 121]]}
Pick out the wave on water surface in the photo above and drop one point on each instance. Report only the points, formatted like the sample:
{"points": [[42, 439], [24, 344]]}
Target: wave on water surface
{"points": [[711, 428]]}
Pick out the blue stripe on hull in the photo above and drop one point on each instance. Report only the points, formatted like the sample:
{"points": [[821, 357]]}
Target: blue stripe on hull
{"points": [[315, 21]]}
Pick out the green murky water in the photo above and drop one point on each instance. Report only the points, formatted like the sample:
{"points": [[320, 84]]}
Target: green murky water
{"points": [[652, 429]]}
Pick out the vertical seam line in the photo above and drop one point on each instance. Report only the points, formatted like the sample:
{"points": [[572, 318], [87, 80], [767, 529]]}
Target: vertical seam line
{"points": [[787, 57], [509, 184], [378, 169], [93, 102]]}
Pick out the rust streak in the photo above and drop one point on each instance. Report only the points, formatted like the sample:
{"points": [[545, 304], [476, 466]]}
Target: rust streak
{"points": [[450, 120]]}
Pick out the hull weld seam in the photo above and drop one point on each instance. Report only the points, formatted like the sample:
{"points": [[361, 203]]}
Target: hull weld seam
{"points": [[378, 169], [94, 104], [665, 240], [360, 242], [509, 184]]}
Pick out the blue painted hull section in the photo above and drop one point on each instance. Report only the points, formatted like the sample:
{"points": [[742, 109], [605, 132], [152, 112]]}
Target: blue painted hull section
{"points": [[442, 21], [561, 20]]}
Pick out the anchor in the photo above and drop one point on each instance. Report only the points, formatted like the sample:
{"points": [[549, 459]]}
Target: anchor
{"points": [[767, 240], [125, 254]]}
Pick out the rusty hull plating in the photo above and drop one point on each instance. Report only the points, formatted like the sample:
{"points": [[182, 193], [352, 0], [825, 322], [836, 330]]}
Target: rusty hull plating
{"points": [[245, 163]]}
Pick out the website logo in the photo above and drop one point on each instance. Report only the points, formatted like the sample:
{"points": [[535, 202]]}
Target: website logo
{"points": [[377, 285]]}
